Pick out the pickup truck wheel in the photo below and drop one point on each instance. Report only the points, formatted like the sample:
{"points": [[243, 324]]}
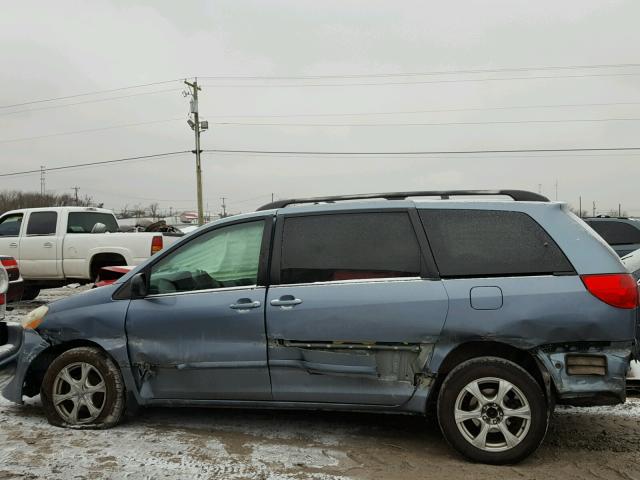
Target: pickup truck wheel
{"points": [[30, 293], [492, 411], [83, 388]]}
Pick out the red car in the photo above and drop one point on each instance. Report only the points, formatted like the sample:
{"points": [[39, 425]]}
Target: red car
{"points": [[16, 285], [108, 275]]}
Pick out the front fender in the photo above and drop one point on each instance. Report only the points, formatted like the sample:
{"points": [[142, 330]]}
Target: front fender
{"points": [[22, 347]]}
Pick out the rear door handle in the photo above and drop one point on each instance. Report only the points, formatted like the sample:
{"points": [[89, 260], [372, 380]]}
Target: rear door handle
{"points": [[13, 245], [245, 304], [47, 245], [286, 301]]}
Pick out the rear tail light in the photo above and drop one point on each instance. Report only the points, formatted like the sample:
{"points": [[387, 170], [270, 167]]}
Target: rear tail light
{"points": [[618, 289], [156, 244], [3, 298], [9, 263]]}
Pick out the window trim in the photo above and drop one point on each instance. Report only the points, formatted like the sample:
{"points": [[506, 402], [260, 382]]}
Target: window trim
{"points": [[21, 224], [262, 260], [428, 268], [55, 232]]}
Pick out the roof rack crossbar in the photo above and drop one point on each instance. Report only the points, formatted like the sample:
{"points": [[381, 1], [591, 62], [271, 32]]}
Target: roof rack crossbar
{"points": [[517, 195]]}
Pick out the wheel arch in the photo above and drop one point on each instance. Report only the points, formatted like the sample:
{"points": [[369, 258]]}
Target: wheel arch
{"points": [[489, 348], [39, 365]]}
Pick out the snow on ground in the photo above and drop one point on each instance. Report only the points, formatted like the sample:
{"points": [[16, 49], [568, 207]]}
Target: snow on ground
{"points": [[201, 443]]}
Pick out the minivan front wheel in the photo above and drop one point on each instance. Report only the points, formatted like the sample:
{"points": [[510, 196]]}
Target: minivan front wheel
{"points": [[83, 388], [492, 411]]}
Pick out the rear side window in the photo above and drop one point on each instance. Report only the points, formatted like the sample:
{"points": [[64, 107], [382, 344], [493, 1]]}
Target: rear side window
{"points": [[84, 222], [471, 243], [10, 225], [616, 233], [321, 248], [42, 223]]}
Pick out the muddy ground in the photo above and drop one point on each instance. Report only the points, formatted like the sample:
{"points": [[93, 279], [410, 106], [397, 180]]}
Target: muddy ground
{"points": [[599, 443]]}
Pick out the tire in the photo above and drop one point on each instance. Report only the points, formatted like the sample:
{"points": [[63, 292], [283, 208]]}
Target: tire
{"points": [[508, 439], [98, 401], [30, 293]]}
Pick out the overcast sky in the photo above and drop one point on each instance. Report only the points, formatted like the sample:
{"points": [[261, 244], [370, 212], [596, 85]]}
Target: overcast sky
{"points": [[62, 48]]}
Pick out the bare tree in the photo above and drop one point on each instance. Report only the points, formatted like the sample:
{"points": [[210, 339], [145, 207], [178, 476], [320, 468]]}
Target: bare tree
{"points": [[153, 210], [13, 199]]}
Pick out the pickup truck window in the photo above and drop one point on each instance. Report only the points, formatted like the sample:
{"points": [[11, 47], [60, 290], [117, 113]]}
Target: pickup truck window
{"points": [[225, 257], [84, 222], [42, 223], [10, 225]]}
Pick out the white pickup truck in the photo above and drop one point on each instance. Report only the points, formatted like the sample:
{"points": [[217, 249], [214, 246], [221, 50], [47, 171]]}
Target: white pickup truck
{"points": [[61, 245]]}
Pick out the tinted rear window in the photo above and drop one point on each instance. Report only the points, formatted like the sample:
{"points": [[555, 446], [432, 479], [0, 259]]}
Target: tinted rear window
{"points": [[616, 233], [469, 243], [42, 223], [349, 246], [83, 222]]}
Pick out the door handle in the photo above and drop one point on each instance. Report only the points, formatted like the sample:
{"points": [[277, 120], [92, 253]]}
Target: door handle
{"points": [[286, 301], [245, 304], [13, 245], [47, 245]]}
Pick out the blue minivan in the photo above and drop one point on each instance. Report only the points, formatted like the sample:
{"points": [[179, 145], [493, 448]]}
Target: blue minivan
{"points": [[484, 310]]}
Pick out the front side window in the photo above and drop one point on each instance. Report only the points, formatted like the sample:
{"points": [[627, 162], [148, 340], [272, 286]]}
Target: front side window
{"points": [[42, 223], [10, 225], [616, 233], [225, 257], [85, 222], [481, 243], [351, 246]]}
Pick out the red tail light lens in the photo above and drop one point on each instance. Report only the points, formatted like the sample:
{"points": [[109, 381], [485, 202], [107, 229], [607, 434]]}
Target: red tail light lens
{"points": [[3, 298], [619, 290], [9, 263], [156, 244]]}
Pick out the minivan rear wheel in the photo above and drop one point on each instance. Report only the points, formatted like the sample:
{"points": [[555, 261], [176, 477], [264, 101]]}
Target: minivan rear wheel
{"points": [[492, 411], [83, 388]]}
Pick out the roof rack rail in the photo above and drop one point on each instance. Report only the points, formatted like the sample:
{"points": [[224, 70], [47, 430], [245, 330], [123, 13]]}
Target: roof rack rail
{"points": [[517, 195]]}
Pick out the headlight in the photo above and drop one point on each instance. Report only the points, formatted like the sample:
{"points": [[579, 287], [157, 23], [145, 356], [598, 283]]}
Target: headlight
{"points": [[35, 317], [4, 280]]}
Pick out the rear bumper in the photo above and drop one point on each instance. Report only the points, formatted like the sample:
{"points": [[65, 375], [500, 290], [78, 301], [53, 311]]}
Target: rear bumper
{"points": [[18, 348], [589, 390]]}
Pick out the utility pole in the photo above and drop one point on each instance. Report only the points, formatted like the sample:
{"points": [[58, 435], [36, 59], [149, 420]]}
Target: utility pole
{"points": [[197, 127], [272, 197], [580, 206], [594, 208], [224, 207], [42, 181], [76, 190], [619, 209]]}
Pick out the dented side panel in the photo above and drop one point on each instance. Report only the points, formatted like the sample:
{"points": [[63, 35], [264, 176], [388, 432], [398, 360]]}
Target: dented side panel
{"points": [[536, 311], [365, 342]]}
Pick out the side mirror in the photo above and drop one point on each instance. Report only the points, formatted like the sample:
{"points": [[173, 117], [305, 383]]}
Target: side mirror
{"points": [[139, 286]]}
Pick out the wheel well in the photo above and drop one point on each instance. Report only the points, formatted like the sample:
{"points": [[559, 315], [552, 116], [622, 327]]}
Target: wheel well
{"points": [[38, 367], [100, 260], [470, 350]]}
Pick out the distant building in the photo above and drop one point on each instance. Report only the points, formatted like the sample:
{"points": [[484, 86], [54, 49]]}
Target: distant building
{"points": [[189, 217]]}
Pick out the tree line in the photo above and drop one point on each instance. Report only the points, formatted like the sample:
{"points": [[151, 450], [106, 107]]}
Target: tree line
{"points": [[14, 199]]}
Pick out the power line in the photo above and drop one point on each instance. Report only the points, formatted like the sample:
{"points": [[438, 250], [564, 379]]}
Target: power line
{"points": [[419, 74], [442, 110], [86, 94], [98, 100], [89, 130], [417, 82], [426, 152], [496, 122], [103, 162]]}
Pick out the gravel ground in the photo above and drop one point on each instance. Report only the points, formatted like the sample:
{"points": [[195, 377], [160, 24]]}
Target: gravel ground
{"points": [[599, 443]]}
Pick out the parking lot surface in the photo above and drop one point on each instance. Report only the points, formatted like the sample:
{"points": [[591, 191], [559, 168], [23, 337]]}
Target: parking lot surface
{"points": [[602, 443]]}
